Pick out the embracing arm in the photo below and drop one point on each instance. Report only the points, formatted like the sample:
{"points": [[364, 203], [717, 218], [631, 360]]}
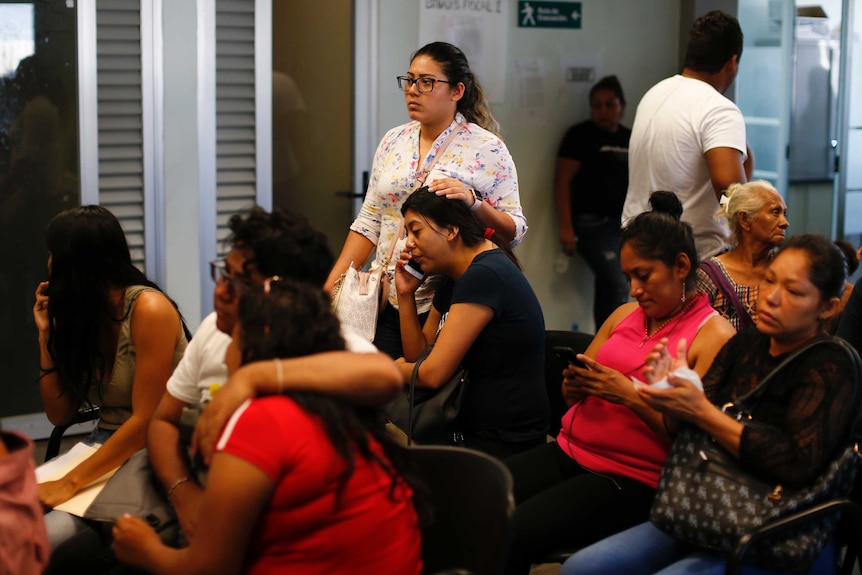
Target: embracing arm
{"points": [[356, 249], [236, 494], [567, 168], [153, 364], [363, 378], [464, 323]]}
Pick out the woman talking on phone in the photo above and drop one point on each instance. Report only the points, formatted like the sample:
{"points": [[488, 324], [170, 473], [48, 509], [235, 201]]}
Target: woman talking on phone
{"points": [[108, 337], [452, 133], [600, 475], [485, 317]]}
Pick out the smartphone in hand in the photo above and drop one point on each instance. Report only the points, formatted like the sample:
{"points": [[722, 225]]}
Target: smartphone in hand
{"points": [[414, 270], [568, 355]]}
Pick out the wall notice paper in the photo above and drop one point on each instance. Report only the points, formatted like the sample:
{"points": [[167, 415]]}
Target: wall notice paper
{"points": [[579, 72], [532, 98], [480, 28], [61, 465]]}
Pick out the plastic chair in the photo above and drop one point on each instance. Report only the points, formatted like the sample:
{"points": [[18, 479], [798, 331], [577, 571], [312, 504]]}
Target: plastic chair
{"points": [[53, 447], [472, 501], [554, 366]]}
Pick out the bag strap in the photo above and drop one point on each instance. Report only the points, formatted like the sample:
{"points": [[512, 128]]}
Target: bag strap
{"points": [[423, 175], [714, 273], [412, 389]]}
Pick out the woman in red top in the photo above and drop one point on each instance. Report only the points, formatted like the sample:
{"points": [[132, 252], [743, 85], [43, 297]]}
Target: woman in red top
{"points": [[301, 482]]}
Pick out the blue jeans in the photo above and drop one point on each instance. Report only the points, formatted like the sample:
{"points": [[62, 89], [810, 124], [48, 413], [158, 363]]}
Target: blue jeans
{"points": [[647, 550], [599, 244], [77, 544]]}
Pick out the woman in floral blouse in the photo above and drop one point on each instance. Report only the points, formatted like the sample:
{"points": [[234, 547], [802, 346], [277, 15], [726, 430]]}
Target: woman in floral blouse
{"points": [[442, 96]]}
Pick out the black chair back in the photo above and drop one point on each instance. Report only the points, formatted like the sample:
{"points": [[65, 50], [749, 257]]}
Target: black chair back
{"points": [[52, 449], [471, 499]]}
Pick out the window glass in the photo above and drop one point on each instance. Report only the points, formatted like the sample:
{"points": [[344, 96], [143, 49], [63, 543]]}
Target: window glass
{"points": [[38, 173]]}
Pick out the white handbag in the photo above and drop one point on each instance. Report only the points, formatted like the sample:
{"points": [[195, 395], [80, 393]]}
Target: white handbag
{"points": [[358, 296]]}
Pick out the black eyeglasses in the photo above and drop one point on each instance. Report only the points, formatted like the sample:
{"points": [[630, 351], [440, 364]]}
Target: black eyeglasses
{"points": [[423, 84], [219, 274]]}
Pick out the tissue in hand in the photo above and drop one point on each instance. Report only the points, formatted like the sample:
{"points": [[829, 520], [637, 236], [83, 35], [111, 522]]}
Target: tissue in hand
{"points": [[681, 372]]}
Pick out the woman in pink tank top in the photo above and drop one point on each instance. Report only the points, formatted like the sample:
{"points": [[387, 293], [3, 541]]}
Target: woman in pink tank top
{"points": [[600, 475]]}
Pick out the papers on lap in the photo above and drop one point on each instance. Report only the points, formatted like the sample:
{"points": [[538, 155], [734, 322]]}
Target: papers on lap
{"points": [[61, 465]]}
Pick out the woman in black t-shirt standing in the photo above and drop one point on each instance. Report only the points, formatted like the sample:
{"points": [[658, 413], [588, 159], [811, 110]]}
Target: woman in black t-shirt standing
{"points": [[590, 188]]}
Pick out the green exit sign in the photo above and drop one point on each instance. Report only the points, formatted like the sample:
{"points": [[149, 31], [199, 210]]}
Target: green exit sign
{"points": [[549, 14]]}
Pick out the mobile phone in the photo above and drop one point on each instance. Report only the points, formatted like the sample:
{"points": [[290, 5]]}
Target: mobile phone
{"points": [[567, 355], [414, 270]]}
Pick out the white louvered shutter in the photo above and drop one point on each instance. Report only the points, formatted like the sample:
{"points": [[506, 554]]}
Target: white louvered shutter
{"points": [[121, 153], [236, 182]]}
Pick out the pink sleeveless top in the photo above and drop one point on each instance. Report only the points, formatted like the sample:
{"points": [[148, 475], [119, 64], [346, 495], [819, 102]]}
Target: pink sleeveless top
{"points": [[606, 437]]}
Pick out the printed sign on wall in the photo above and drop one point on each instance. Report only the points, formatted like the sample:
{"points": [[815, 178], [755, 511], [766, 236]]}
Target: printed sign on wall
{"points": [[479, 28], [549, 14]]}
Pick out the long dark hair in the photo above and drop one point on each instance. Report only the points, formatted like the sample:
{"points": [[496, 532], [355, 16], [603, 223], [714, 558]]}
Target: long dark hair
{"points": [[89, 258], [445, 212], [473, 104], [294, 319], [660, 235]]}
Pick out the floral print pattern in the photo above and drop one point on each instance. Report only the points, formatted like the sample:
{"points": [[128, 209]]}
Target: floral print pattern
{"points": [[476, 157]]}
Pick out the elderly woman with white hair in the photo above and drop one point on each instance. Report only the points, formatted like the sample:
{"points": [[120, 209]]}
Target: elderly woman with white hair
{"points": [[757, 216]]}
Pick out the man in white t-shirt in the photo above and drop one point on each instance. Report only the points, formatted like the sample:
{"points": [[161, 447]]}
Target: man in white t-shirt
{"points": [[264, 245], [688, 138]]}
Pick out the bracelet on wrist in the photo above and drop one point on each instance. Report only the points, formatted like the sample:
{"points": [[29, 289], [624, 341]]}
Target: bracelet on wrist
{"points": [[177, 483]]}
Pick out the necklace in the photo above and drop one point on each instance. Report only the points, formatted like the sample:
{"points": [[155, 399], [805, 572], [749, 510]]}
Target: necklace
{"points": [[664, 324]]}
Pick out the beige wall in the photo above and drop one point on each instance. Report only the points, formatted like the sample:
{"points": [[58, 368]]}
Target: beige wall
{"points": [[637, 41], [312, 130]]}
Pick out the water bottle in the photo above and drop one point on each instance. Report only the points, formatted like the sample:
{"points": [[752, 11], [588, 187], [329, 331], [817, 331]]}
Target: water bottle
{"points": [[561, 264]]}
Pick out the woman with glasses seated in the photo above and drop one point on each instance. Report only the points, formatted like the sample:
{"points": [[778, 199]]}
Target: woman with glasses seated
{"points": [[108, 337], [443, 97]]}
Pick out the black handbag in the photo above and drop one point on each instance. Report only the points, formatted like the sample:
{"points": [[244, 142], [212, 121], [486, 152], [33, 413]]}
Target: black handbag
{"points": [[704, 498], [430, 416]]}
